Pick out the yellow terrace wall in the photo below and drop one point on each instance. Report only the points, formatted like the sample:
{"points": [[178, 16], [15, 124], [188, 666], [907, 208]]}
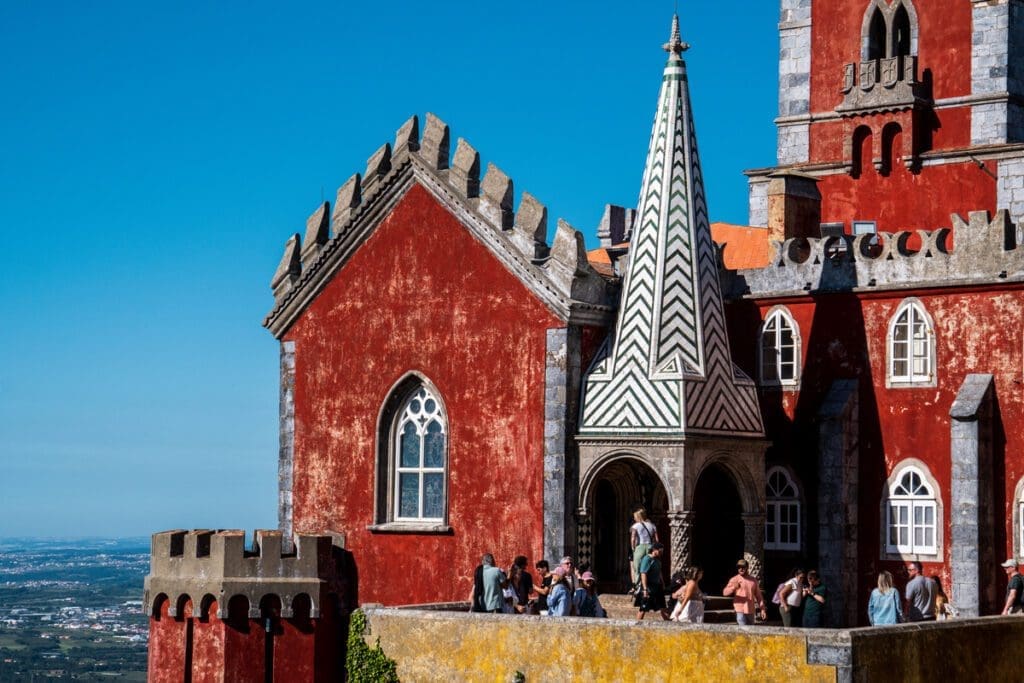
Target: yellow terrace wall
{"points": [[457, 646], [449, 646]]}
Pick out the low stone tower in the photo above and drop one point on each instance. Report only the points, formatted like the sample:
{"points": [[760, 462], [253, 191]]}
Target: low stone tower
{"points": [[221, 612]]}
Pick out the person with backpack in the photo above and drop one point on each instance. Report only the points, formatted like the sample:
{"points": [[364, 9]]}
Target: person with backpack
{"points": [[789, 596], [642, 535], [1014, 589]]}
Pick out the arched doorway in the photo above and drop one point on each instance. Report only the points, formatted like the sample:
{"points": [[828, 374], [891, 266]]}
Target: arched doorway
{"points": [[718, 527], [618, 489]]}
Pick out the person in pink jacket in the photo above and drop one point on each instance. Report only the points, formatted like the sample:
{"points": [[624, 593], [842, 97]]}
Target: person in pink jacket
{"points": [[747, 599]]}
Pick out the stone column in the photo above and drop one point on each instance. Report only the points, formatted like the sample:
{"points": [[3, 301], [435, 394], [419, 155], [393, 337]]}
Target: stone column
{"points": [[584, 539], [838, 472], [286, 450], [753, 544], [681, 544], [971, 514], [561, 459]]}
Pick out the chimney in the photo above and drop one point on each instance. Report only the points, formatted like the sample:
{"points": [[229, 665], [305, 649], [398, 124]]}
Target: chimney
{"points": [[794, 205]]}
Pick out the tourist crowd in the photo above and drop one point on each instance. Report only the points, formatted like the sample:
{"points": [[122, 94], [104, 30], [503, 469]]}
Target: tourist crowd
{"points": [[569, 590]]}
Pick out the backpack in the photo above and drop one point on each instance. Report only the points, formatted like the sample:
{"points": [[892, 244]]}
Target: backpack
{"points": [[777, 598]]}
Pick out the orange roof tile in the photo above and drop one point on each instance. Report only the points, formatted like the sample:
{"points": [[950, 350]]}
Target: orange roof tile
{"points": [[745, 246]]}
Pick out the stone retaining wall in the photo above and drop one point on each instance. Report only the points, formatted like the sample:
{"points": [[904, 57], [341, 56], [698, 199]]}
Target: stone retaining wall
{"points": [[433, 645]]}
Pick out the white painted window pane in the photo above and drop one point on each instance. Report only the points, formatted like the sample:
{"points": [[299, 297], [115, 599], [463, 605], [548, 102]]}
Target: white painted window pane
{"points": [[433, 496], [408, 495]]}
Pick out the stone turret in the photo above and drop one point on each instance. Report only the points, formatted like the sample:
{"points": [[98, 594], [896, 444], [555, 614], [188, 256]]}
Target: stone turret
{"points": [[214, 603]]}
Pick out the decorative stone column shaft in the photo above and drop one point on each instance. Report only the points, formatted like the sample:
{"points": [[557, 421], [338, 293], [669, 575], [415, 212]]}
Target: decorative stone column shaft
{"points": [[584, 539], [753, 544], [681, 544]]}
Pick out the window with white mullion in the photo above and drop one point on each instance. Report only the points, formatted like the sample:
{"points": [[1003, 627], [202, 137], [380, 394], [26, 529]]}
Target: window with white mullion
{"points": [[782, 512], [419, 460], [911, 515], [911, 346], [779, 349]]}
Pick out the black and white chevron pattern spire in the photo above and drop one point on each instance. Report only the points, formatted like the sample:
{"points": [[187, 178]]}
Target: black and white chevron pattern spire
{"points": [[668, 368]]}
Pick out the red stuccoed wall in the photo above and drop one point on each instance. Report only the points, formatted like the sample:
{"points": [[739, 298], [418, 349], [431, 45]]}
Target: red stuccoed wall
{"points": [[902, 200], [844, 336], [905, 200], [944, 48], [167, 640], [421, 294]]}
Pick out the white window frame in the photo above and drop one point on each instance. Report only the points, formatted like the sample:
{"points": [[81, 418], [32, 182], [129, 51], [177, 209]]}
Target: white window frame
{"points": [[420, 420], [916, 350], [777, 500], [770, 342], [395, 413], [911, 498]]}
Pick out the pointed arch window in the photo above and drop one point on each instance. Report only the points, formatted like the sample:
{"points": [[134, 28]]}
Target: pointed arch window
{"points": [[779, 356], [412, 462], [782, 511], [912, 513], [911, 344]]}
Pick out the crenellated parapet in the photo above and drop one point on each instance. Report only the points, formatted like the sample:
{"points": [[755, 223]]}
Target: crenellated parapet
{"points": [[204, 566], [977, 250], [559, 273]]}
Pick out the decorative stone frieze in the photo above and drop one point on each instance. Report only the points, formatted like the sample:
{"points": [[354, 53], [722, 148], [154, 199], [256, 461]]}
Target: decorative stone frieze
{"points": [[985, 249]]}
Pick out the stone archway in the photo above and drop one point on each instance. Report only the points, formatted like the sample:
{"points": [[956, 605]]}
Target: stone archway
{"points": [[614, 492], [718, 526]]}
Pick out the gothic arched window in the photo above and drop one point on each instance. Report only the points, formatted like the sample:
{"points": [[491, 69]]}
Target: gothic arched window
{"points": [[782, 511], [779, 357], [876, 35], [911, 346], [412, 462], [889, 30], [911, 513]]}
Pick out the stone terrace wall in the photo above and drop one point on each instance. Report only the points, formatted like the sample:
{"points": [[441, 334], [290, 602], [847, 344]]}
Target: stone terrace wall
{"points": [[435, 645]]}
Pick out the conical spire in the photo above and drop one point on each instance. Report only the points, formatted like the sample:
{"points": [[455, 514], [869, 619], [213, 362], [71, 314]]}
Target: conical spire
{"points": [[670, 347]]}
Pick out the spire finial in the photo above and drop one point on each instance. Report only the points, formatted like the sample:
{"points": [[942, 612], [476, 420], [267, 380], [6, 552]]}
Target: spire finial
{"points": [[675, 44]]}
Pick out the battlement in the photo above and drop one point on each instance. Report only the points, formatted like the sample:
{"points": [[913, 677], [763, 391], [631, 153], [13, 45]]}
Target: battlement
{"points": [[204, 565], [984, 251], [558, 272]]}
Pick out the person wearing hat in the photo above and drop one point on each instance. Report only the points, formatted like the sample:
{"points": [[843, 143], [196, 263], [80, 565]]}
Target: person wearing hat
{"points": [[1014, 589], [747, 600], [651, 595], [559, 600], [585, 598]]}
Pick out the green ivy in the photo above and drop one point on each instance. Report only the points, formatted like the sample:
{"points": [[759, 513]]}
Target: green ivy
{"points": [[363, 663]]}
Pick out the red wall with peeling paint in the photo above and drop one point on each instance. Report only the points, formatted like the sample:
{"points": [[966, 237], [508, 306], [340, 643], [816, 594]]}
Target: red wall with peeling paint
{"points": [[944, 48], [977, 330], [421, 294], [902, 200]]}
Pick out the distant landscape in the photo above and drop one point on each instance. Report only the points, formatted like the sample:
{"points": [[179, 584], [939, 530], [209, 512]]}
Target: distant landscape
{"points": [[71, 609]]}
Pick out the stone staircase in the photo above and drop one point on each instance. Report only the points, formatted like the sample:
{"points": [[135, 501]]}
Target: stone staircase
{"points": [[717, 610]]}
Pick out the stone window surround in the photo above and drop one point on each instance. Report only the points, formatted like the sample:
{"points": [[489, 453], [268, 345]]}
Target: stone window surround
{"points": [[926, 475], [783, 315], [910, 380], [888, 12], [385, 481], [798, 500], [1018, 519]]}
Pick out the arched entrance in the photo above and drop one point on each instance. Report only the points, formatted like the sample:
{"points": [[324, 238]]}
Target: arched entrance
{"points": [[718, 527], [618, 489]]}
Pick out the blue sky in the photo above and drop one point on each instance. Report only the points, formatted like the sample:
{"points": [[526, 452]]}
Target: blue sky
{"points": [[154, 158]]}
